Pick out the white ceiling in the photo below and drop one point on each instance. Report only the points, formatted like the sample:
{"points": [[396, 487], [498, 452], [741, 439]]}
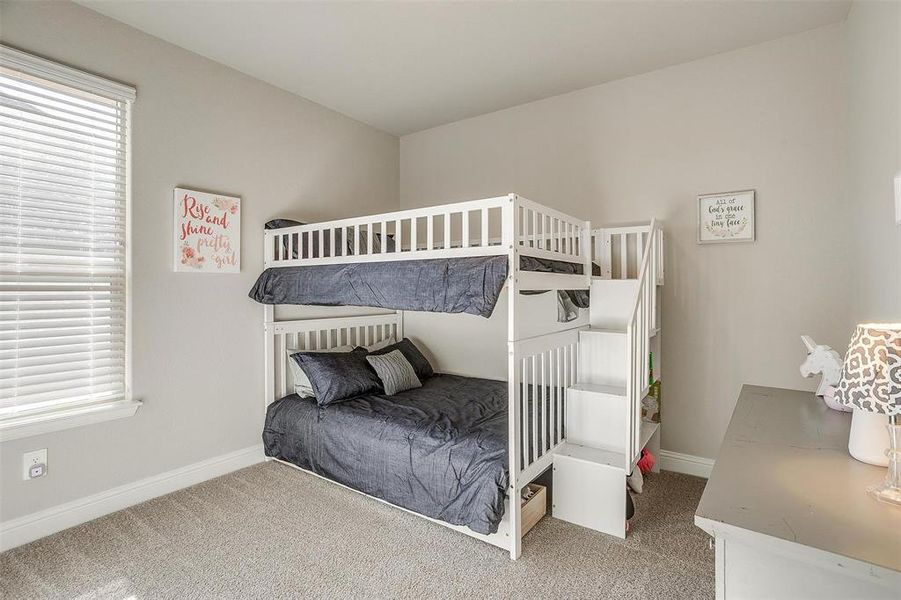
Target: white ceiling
{"points": [[407, 66]]}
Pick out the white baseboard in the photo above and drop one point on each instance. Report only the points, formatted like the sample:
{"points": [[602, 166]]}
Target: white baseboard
{"points": [[16, 532], [686, 463]]}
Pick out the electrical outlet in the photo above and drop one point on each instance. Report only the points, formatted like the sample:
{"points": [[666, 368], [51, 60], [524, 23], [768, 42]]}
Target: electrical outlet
{"points": [[34, 464]]}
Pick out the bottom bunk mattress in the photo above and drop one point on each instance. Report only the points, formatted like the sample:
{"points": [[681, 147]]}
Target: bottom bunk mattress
{"points": [[439, 450]]}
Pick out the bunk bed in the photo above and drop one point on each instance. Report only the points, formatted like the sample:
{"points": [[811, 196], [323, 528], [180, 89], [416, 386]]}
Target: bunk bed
{"points": [[457, 449]]}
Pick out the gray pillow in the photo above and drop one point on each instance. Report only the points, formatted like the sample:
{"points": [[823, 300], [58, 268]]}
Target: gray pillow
{"points": [[395, 371], [420, 363], [302, 385], [337, 376]]}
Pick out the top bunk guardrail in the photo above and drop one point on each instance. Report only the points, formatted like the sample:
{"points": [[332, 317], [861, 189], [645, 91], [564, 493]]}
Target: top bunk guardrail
{"points": [[492, 226], [619, 250]]}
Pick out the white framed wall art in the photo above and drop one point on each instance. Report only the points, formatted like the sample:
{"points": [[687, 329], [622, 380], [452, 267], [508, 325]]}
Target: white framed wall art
{"points": [[207, 232], [726, 217]]}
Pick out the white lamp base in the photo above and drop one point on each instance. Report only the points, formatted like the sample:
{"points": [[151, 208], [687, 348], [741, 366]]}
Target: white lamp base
{"points": [[869, 439]]}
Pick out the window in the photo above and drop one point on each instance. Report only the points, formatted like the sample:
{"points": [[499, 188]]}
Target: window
{"points": [[63, 246]]}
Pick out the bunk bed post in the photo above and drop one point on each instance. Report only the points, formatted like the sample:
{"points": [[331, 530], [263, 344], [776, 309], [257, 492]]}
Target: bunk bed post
{"points": [[268, 333], [509, 237], [267, 248], [268, 357]]}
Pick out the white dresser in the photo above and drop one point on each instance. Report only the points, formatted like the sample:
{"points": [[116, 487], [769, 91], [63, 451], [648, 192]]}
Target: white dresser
{"points": [[787, 507]]}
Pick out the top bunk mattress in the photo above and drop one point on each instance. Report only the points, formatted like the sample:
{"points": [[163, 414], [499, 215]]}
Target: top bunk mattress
{"points": [[439, 450], [448, 285]]}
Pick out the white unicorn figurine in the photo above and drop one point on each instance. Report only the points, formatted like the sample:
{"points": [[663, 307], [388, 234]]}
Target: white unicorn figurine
{"points": [[825, 360]]}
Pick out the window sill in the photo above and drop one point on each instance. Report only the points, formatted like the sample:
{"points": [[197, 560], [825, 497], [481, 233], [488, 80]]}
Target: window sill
{"points": [[37, 424]]}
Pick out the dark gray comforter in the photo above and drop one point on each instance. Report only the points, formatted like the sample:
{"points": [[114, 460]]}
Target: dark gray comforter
{"points": [[458, 285], [448, 285], [439, 450]]}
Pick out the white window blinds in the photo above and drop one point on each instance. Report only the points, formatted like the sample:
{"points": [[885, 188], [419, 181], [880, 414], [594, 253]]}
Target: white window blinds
{"points": [[63, 255]]}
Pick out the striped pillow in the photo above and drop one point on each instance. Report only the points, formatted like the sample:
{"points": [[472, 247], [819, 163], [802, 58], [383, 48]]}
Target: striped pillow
{"points": [[395, 371]]}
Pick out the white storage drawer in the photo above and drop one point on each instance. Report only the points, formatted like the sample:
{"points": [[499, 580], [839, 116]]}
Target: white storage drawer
{"points": [[588, 491]]}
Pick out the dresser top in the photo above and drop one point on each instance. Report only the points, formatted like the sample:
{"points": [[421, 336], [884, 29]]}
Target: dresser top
{"points": [[784, 471]]}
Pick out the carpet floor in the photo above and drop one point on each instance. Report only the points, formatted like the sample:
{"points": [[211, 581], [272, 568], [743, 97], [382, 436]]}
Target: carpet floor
{"points": [[269, 531]]}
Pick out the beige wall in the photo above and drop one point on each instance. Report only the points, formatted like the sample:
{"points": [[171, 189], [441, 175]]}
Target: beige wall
{"points": [[874, 155], [197, 338], [770, 117]]}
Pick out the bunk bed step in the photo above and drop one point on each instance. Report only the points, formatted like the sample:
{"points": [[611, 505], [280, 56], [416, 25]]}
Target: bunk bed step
{"points": [[617, 330], [597, 416], [603, 357], [601, 457], [615, 390], [605, 330], [590, 488], [612, 302]]}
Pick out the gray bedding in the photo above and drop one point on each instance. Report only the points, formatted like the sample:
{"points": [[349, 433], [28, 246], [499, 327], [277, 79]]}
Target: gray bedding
{"points": [[455, 285], [459, 285], [439, 450]]}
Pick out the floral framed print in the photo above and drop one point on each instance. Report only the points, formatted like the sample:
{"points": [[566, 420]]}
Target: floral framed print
{"points": [[207, 232], [726, 217]]}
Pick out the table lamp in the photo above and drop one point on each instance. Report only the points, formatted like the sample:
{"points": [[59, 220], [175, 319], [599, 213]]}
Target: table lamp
{"points": [[871, 383]]}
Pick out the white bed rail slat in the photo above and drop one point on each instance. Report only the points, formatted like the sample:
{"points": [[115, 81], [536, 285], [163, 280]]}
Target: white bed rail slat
{"points": [[532, 410], [543, 393]]}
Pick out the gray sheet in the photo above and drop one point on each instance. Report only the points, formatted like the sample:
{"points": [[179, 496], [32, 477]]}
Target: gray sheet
{"points": [[459, 285], [439, 450]]}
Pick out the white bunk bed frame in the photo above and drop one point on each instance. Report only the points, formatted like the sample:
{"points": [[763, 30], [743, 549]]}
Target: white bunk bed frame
{"points": [[507, 225]]}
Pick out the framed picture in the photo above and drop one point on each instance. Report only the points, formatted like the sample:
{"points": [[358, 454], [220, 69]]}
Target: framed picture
{"points": [[207, 232], [727, 217]]}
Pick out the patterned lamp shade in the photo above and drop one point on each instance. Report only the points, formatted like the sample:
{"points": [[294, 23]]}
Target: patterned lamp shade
{"points": [[871, 374]]}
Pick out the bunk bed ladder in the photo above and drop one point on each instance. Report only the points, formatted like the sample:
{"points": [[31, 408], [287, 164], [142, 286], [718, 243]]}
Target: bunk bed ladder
{"points": [[605, 431]]}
